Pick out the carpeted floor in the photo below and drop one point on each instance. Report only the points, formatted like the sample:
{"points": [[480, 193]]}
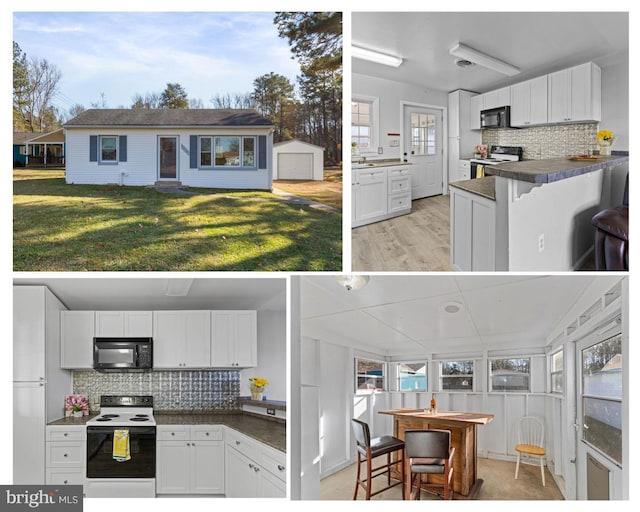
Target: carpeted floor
{"points": [[498, 477]]}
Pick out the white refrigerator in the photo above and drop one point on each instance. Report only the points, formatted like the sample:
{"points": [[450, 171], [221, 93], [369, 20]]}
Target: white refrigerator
{"points": [[39, 384]]}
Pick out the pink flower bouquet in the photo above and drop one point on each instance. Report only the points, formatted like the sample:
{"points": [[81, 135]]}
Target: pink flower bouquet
{"points": [[75, 403]]}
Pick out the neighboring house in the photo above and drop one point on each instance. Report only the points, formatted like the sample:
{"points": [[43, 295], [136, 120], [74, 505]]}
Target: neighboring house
{"points": [[297, 160], [32, 149], [195, 147]]}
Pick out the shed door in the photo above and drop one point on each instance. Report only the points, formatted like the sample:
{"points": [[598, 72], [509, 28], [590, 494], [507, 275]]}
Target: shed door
{"points": [[295, 166]]}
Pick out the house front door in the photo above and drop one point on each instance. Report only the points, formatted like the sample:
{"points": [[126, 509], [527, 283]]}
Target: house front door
{"points": [[168, 158]]}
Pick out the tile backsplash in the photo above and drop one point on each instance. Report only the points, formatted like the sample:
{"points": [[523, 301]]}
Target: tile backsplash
{"points": [[196, 391], [542, 142]]}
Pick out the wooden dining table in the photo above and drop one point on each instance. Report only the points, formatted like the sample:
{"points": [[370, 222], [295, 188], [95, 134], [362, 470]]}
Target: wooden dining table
{"points": [[463, 428]]}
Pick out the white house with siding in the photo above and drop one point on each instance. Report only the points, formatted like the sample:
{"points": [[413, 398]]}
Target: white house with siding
{"points": [[213, 148]]}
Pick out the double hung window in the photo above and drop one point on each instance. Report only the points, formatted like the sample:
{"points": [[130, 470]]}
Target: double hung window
{"points": [[109, 149]]}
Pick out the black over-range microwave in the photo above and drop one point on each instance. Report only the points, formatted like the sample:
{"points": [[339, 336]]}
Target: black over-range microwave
{"points": [[496, 118], [122, 354]]}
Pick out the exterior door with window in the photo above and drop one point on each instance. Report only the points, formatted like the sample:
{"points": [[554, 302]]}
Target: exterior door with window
{"points": [[599, 416], [168, 158], [423, 149]]}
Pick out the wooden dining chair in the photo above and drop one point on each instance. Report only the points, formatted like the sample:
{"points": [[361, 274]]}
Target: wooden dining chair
{"points": [[429, 452], [531, 441], [368, 449]]}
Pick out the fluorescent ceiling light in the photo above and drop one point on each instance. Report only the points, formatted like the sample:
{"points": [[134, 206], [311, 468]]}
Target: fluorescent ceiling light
{"points": [[482, 59], [373, 56]]}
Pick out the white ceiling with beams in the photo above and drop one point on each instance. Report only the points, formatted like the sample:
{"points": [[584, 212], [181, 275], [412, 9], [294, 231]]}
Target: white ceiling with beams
{"points": [[395, 316], [536, 42], [153, 293]]}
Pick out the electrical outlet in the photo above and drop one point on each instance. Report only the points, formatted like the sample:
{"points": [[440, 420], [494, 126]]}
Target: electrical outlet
{"points": [[541, 243], [271, 412]]}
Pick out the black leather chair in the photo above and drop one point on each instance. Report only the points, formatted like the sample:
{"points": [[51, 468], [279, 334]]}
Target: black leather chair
{"points": [[429, 452], [368, 449], [612, 235]]}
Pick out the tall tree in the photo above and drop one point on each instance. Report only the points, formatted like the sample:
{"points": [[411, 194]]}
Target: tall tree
{"points": [[274, 95], [233, 100], [315, 38], [35, 83], [174, 96], [149, 100]]}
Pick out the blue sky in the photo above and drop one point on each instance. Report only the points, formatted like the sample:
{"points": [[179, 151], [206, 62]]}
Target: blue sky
{"points": [[123, 53]]}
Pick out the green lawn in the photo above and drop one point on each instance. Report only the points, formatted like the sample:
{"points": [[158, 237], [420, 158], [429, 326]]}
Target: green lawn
{"points": [[60, 227]]}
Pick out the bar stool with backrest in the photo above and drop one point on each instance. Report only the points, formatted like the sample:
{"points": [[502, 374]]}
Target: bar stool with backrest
{"points": [[429, 452], [368, 449], [612, 235]]}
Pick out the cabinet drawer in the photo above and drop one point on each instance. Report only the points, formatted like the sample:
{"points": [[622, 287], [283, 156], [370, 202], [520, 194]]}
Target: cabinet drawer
{"points": [[399, 202], [274, 462], [464, 164], [371, 176], [65, 476], [243, 444], [65, 454], [65, 434], [206, 433], [399, 184], [172, 433]]}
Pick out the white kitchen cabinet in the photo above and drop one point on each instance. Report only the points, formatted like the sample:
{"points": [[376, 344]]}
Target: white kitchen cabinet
{"points": [[464, 137], [464, 170], [234, 339], [398, 190], [190, 459], [473, 231], [182, 339], [529, 103], [252, 469], [65, 455], [370, 195], [498, 98], [133, 324], [476, 107], [77, 329], [575, 94]]}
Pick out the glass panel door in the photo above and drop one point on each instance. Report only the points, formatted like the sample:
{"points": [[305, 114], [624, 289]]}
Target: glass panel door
{"points": [[168, 158]]}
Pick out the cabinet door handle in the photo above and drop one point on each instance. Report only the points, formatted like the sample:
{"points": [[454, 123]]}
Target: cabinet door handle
{"points": [[256, 469], [65, 434], [65, 455], [251, 465], [281, 467], [238, 443], [207, 434]]}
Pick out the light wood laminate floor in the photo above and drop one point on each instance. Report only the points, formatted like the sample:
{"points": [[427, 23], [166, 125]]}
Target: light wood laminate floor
{"points": [[418, 242]]}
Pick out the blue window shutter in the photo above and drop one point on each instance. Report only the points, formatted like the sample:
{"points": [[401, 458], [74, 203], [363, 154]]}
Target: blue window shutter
{"points": [[193, 151], [262, 151], [93, 148], [122, 153]]}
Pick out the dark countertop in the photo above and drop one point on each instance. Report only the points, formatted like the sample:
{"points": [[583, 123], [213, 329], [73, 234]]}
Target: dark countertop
{"points": [[555, 169], [485, 187], [266, 404], [271, 432], [368, 164]]}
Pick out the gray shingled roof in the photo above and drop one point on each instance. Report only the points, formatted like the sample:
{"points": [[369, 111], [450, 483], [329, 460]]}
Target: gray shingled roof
{"points": [[136, 117]]}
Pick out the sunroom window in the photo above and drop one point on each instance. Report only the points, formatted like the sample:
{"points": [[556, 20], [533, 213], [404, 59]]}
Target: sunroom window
{"points": [[557, 372], [456, 375], [412, 376], [510, 374], [370, 375]]}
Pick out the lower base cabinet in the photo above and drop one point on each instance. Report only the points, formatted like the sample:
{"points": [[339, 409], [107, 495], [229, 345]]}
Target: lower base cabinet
{"points": [[252, 469], [190, 459], [65, 456]]}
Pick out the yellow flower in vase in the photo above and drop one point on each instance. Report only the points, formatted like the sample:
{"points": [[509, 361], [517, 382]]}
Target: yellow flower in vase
{"points": [[257, 385], [605, 140]]}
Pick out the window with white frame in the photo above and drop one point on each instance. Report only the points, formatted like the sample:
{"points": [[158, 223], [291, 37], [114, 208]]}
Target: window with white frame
{"points": [[456, 375], [228, 151], [370, 375], [108, 148], [509, 374], [411, 376], [364, 119], [557, 371]]}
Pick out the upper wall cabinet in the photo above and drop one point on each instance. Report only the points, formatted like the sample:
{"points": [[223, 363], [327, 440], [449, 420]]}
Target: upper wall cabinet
{"points": [[497, 98], [575, 94], [529, 102], [182, 339], [77, 329], [133, 324], [234, 340]]}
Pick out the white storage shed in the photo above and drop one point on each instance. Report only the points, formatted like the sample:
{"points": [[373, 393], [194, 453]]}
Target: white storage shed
{"points": [[297, 160]]}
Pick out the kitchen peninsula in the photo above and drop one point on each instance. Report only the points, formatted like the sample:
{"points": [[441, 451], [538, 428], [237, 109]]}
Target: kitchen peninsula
{"points": [[463, 426], [532, 215]]}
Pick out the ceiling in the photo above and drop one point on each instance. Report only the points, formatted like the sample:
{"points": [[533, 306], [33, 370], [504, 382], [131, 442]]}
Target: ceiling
{"points": [[108, 293], [536, 42], [404, 315]]}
